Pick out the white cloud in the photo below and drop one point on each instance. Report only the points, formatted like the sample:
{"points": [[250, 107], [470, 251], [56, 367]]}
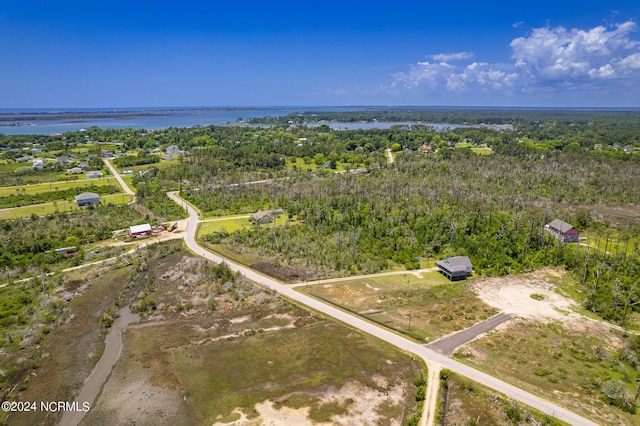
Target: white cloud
{"points": [[550, 55], [425, 74], [338, 92], [481, 75], [546, 60], [448, 57]]}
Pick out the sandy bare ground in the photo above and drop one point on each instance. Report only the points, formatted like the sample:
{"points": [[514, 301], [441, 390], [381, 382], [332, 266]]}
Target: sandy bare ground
{"points": [[431, 397], [362, 408], [513, 295]]}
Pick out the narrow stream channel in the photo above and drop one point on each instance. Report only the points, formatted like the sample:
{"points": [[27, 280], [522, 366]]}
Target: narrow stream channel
{"points": [[97, 378]]}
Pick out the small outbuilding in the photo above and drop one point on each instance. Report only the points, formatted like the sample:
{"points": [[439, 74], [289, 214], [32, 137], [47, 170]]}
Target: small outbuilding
{"points": [[87, 199], [140, 231], [455, 268], [562, 231]]}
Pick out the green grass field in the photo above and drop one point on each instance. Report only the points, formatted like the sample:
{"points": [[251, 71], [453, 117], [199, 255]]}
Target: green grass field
{"points": [[136, 169], [300, 164], [611, 241], [57, 186], [234, 223], [424, 308], [229, 224], [10, 167], [557, 359], [482, 151], [58, 207], [291, 366]]}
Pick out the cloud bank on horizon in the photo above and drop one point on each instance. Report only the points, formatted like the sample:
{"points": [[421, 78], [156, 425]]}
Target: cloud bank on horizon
{"points": [[550, 59]]}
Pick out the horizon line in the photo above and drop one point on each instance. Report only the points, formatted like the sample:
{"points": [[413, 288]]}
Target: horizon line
{"points": [[175, 107]]}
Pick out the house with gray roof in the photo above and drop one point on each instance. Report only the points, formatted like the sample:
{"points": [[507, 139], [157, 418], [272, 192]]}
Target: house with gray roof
{"points": [[87, 199], [455, 268], [265, 216]]}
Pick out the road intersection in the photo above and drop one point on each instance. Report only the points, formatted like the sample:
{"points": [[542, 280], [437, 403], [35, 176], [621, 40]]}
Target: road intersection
{"points": [[429, 356]]}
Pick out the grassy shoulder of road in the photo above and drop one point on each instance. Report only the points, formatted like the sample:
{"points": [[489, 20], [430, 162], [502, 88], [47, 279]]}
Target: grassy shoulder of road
{"points": [[58, 207], [577, 363], [424, 308], [57, 186], [465, 402]]}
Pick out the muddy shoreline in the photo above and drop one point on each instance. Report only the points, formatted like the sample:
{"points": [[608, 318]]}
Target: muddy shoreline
{"points": [[101, 371]]}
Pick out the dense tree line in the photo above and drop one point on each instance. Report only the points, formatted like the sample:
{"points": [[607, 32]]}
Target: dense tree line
{"points": [[32, 241], [492, 209]]}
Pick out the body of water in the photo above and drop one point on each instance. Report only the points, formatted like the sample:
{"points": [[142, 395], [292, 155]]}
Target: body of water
{"points": [[48, 122]]}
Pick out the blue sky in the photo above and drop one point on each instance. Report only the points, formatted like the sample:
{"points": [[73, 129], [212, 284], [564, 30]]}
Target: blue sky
{"points": [[207, 53]]}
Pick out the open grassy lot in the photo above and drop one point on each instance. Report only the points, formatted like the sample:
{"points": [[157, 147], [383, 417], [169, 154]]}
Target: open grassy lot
{"points": [[158, 165], [425, 308], [229, 224], [299, 164], [56, 186], [464, 402], [234, 223], [482, 150], [60, 206], [249, 355], [576, 362], [10, 167], [29, 177], [199, 371]]}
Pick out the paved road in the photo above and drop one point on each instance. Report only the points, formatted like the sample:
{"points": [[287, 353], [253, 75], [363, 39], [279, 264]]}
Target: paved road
{"points": [[426, 354], [448, 344], [116, 175]]}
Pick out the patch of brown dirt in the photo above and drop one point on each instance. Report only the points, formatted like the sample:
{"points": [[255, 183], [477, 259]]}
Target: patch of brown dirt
{"points": [[513, 295], [534, 297], [364, 405], [282, 273]]}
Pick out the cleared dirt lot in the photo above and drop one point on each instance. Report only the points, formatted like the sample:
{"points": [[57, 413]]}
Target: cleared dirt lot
{"points": [[530, 296], [550, 348]]}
